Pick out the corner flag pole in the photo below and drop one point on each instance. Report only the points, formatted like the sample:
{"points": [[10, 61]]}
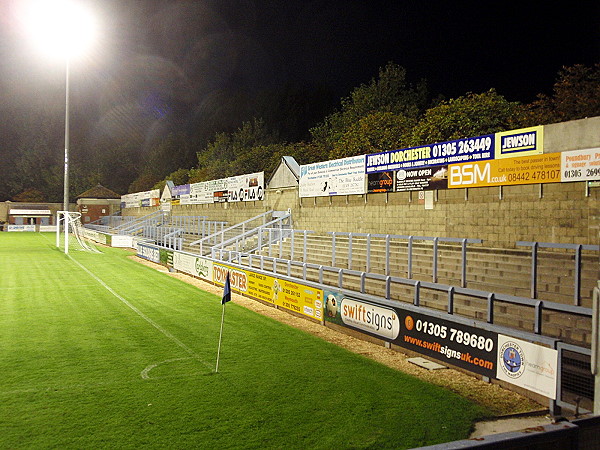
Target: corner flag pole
{"points": [[226, 298]]}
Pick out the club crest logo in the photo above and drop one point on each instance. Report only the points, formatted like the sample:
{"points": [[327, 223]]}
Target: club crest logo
{"points": [[513, 359]]}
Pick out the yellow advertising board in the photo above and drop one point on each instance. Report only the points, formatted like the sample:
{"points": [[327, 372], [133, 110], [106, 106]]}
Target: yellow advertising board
{"points": [[299, 298], [545, 168], [296, 297], [517, 143]]}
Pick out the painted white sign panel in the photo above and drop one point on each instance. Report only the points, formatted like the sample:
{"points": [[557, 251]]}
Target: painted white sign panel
{"points": [[527, 365], [580, 165], [201, 193], [193, 265], [344, 176], [122, 241], [21, 228]]}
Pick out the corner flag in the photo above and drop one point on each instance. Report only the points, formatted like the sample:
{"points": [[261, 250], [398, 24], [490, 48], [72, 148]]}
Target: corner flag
{"points": [[226, 298], [226, 291]]}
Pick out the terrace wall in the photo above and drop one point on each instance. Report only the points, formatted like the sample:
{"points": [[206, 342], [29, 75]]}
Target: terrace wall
{"points": [[558, 212]]}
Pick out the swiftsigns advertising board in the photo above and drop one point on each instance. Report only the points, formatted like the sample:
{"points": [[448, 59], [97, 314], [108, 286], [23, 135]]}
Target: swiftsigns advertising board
{"points": [[461, 345], [344, 176], [480, 351]]}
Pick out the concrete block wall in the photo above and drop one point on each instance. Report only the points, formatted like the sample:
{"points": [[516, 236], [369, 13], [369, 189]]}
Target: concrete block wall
{"points": [[557, 212]]}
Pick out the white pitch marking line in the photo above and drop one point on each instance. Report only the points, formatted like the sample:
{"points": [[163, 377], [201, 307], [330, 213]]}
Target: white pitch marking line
{"points": [[147, 370], [141, 314]]}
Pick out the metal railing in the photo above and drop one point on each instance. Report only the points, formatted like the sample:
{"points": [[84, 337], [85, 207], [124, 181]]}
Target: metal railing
{"points": [[387, 282], [578, 248], [410, 240], [291, 234], [254, 240], [108, 222], [168, 237], [575, 382], [157, 218], [195, 225], [573, 386], [218, 238]]}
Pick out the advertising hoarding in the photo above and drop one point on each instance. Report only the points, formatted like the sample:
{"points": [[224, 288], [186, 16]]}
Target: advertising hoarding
{"points": [[424, 179], [580, 165], [242, 188], [522, 142], [148, 252], [285, 294], [443, 153], [193, 265], [344, 176], [544, 168], [527, 365]]}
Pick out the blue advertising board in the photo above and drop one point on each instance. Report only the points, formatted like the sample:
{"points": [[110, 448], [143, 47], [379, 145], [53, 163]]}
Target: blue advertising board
{"points": [[451, 152]]}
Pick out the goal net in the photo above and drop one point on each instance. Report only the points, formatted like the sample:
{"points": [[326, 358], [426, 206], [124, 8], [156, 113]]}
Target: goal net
{"points": [[69, 233]]}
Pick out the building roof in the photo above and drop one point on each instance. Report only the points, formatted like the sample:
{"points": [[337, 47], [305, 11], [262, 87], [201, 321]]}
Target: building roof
{"points": [[99, 191], [287, 173]]}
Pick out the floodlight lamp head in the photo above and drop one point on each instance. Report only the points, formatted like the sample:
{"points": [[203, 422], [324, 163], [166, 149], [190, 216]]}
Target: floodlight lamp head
{"points": [[61, 28]]}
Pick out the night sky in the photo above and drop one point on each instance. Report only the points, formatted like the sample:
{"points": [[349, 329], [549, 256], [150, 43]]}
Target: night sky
{"points": [[204, 66], [196, 47]]}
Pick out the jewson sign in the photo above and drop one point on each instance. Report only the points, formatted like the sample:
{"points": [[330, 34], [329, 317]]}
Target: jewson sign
{"points": [[522, 142]]}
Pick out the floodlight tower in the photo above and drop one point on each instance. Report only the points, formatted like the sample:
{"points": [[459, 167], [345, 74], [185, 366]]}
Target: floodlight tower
{"points": [[63, 29]]}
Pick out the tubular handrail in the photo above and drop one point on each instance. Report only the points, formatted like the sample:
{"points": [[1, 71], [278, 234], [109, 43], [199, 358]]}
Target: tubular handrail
{"points": [[157, 218], [256, 232], [233, 227], [577, 269], [408, 236], [538, 306], [142, 219]]}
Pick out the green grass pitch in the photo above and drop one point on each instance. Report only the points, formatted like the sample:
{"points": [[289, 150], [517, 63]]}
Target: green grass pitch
{"points": [[98, 351]]}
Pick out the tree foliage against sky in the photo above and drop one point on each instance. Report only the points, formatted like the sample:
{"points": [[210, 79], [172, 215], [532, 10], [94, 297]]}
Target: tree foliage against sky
{"points": [[468, 115], [390, 113], [576, 95], [253, 134]]}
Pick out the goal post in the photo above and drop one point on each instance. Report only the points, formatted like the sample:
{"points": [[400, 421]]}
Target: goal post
{"points": [[70, 223]]}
